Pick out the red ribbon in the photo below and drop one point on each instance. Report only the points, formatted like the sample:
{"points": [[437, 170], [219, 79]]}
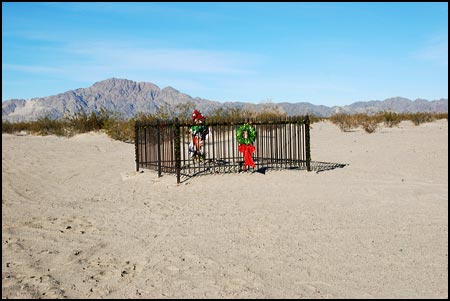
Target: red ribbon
{"points": [[247, 150]]}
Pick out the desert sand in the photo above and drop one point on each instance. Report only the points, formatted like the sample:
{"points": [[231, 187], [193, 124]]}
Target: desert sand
{"points": [[79, 222]]}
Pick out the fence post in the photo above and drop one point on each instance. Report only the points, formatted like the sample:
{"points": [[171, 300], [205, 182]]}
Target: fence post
{"points": [[177, 142], [307, 142], [136, 143], [158, 137]]}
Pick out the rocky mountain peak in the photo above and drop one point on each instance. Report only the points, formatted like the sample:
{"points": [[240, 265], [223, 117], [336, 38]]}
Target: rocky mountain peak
{"points": [[128, 98]]}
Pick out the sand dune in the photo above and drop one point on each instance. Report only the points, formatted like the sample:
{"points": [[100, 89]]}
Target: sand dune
{"points": [[79, 222]]}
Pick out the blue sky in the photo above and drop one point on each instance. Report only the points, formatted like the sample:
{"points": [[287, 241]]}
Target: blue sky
{"points": [[322, 53]]}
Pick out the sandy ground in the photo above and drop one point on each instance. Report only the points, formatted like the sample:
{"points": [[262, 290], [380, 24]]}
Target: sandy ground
{"points": [[78, 222]]}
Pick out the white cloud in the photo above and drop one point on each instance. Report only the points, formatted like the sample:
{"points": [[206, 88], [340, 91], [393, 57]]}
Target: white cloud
{"points": [[32, 69], [91, 61], [118, 56], [435, 51]]}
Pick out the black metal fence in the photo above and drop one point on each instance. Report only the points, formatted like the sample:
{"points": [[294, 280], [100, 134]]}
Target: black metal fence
{"points": [[164, 146]]}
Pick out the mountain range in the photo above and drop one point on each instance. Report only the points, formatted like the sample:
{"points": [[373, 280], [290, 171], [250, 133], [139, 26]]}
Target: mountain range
{"points": [[129, 98]]}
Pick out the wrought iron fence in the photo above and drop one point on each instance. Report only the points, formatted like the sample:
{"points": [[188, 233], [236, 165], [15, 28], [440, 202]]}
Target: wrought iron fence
{"points": [[166, 146]]}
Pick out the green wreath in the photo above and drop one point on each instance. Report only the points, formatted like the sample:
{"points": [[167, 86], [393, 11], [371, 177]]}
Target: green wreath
{"points": [[251, 134], [199, 129]]}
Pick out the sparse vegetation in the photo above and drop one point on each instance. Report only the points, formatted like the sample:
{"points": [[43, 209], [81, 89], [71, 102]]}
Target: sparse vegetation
{"points": [[181, 111], [389, 119], [344, 121], [370, 123], [420, 118], [120, 128], [230, 114]]}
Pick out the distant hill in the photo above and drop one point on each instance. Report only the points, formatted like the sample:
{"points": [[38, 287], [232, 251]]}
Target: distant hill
{"points": [[129, 98]]}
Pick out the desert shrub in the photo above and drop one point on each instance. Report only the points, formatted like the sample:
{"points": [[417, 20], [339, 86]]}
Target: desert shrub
{"points": [[313, 118], [269, 115], [143, 117], [344, 121], [47, 126], [15, 127], [169, 112], [347, 122], [269, 111], [79, 122], [438, 116], [97, 120], [120, 129], [229, 114], [368, 123], [7, 127], [421, 117], [389, 119]]}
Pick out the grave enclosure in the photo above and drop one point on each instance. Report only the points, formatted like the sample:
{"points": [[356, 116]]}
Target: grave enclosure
{"points": [[284, 143]]}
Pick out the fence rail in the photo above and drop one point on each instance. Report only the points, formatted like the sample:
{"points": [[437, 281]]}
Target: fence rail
{"points": [[164, 146]]}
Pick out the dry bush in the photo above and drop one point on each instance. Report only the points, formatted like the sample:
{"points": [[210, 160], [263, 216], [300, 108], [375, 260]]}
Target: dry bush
{"points": [[389, 119], [80, 122], [169, 112], [42, 126], [313, 118], [48, 126], [229, 114], [344, 121], [14, 127], [441, 116], [347, 122], [421, 117], [269, 111], [369, 124], [145, 118], [122, 130]]}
